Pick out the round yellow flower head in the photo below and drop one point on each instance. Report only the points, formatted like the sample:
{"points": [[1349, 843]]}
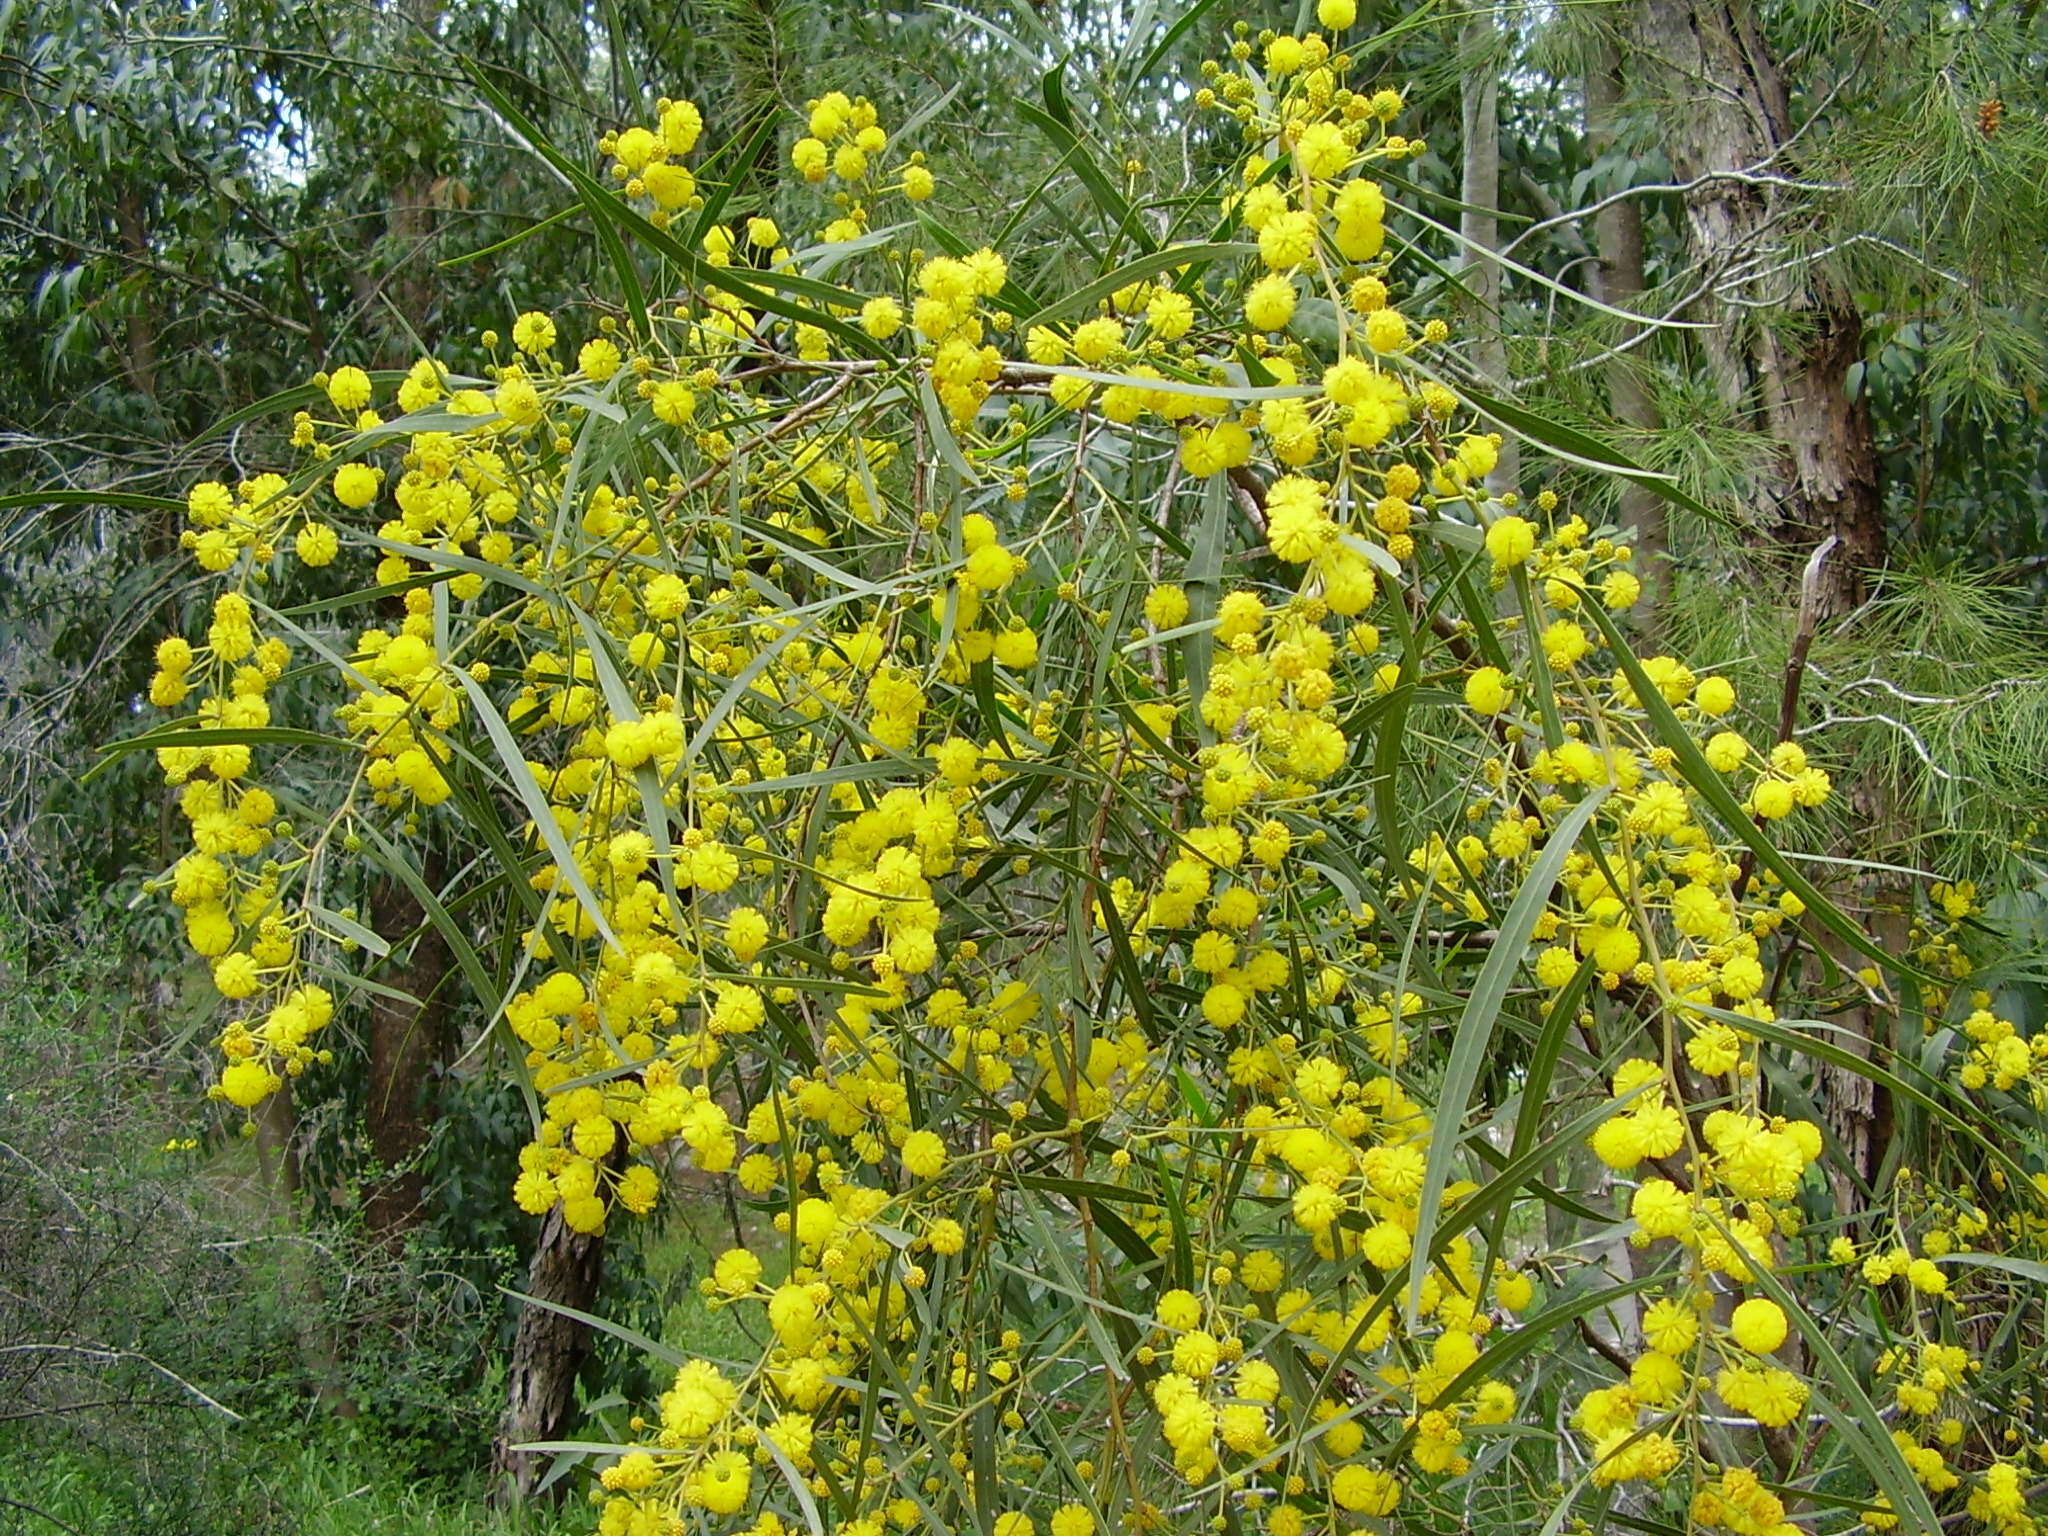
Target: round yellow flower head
{"points": [[1758, 1325]]}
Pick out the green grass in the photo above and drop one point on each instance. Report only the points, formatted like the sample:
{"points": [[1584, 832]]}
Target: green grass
{"points": [[201, 1484], [679, 1249]]}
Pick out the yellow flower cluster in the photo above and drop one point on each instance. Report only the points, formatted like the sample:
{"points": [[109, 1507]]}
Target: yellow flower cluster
{"points": [[1055, 949]]}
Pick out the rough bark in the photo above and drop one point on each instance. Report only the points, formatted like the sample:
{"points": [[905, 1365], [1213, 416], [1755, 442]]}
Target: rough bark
{"points": [[1618, 281], [1788, 334], [410, 225], [139, 360], [549, 1350], [407, 1044], [1479, 221], [1858, 1111]]}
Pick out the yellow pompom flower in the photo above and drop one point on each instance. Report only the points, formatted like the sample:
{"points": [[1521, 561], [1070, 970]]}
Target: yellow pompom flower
{"points": [[1661, 1209], [1714, 695], [720, 1485], [599, 359], [1288, 240], [1169, 314], [1486, 691], [1166, 607], [517, 401], [1773, 799], [235, 976], [1322, 151], [670, 185], [811, 158], [1619, 590], [1511, 540], [1365, 1490], [924, 1154], [349, 389], [246, 1084], [1670, 1327], [1269, 305], [1095, 339], [1758, 1325], [674, 402], [1284, 55], [736, 1272], [533, 332], [355, 485], [681, 124], [1386, 330], [317, 544], [881, 317], [1316, 1206]]}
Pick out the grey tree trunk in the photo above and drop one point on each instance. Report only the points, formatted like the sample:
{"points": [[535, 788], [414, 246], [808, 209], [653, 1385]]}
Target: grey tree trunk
{"points": [[549, 1350], [277, 1164], [1619, 281], [1787, 336], [407, 1046], [1788, 333], [1479, 47]]}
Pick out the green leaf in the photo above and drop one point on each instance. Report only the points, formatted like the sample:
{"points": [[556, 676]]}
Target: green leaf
{"points": [[536, 802], [1124, 967], [1086, 299], [1694, 767], [1180, 28], [1056, 124], [59, 496], [213, 736], [594, 196], [634, 1337], [497, 247], [2026, 1269], [1482, 1011], [1582, 448]]}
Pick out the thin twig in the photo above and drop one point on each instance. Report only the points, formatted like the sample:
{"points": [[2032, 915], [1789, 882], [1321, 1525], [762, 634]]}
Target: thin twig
{"points": [[1795, 673], [61, 1525]]}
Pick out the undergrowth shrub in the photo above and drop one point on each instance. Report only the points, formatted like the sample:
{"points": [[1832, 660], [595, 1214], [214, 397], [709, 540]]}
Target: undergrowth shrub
{"points": [[166, 1323]]}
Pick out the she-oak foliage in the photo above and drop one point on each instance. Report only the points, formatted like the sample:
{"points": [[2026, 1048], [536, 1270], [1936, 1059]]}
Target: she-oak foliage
{"points": [[1147, 874]]}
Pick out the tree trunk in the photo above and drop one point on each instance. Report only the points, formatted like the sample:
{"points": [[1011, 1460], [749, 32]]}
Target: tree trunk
{"points": [[1618, 281], [1858, 1111], [1781, 353], [1479, 49], [540, 1390], [140, 358], [410, 223], [406, 1045], [1785, 373]]}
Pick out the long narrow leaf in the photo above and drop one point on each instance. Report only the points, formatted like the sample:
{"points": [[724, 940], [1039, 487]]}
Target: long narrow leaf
{"points": [[1482, 1012]]}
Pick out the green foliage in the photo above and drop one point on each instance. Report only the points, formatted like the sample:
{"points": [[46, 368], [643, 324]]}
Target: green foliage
{"points": [[1938, 692], [172, 1342]]}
